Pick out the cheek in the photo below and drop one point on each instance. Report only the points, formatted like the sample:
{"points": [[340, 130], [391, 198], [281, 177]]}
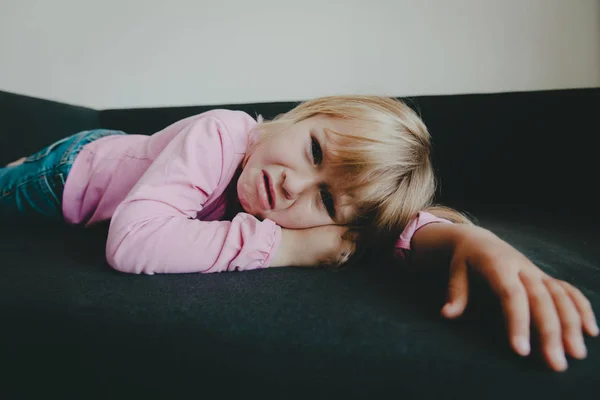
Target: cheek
{"points": [[254, 158], [280, 150], [245, 190], [260, 154]]}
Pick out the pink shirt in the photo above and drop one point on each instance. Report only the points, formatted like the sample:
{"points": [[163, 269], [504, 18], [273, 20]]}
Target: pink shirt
{"points": [[165, 197]]}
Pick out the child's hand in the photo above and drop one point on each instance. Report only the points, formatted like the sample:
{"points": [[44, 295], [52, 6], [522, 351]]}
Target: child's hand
{"points": [[559, 311], [313, 246]]}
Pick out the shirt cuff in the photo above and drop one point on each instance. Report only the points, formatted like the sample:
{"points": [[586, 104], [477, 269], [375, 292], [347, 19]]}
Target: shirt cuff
{"points": [[402, 247]]}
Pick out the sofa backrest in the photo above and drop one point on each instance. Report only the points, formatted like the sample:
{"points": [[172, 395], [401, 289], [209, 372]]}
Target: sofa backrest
{"points": [[524, 152], [28, 123]]}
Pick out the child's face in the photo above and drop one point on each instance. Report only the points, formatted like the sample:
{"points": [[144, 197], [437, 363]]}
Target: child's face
{"points": [[287, 177]]}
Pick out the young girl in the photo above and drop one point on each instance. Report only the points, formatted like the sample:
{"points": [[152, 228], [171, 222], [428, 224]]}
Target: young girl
{"points": [[220, 191]]}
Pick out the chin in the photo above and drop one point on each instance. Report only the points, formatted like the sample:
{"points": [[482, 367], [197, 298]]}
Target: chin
{"points": [[257, 215]]}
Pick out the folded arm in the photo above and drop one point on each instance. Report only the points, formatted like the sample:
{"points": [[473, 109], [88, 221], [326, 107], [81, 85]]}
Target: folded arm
{"points": [[154, 229]]}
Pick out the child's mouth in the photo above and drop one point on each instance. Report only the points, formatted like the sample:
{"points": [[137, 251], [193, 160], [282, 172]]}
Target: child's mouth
{"points": [[268, 189]]}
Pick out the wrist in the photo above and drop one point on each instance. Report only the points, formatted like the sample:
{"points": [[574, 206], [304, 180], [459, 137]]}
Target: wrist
{"points": [[470, 233], [294, 249], [283, 256], [436, 242]]}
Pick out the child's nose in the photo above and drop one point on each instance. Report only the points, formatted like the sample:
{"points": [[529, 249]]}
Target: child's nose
{"points": [[294, 184]]}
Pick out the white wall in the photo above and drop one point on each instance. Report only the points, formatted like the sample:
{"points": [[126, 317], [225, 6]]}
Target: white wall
{"points": [[120, 53]]}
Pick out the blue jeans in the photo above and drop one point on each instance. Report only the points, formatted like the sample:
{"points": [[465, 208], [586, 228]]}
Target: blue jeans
{"points": [[33, 190]]}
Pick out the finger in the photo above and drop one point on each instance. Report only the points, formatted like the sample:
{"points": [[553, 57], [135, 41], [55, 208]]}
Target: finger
{"points": [[570, 320], [458, 290], [545, 318], [515, 305], [584, 307]]}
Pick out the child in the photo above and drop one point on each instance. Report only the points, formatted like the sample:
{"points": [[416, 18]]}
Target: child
{"points": [[220, 191]]}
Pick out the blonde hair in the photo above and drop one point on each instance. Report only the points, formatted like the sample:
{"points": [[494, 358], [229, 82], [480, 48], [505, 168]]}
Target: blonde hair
{"points": [[385, 162]]}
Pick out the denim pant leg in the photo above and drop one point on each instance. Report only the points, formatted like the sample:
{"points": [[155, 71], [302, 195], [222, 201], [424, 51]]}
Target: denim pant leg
{"points": [[33, 190]]}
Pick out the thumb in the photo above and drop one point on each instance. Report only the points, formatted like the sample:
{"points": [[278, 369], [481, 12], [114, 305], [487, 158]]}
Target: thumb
{"points": [[458, 290]]}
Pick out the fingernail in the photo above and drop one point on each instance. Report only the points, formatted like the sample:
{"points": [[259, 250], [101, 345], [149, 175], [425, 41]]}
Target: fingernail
{"points": [[522, 345], [595, 329], [559, 358], [580, 349]]}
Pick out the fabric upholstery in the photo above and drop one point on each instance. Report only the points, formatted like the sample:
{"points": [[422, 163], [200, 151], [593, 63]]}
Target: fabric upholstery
{"points": [[519, 163]]}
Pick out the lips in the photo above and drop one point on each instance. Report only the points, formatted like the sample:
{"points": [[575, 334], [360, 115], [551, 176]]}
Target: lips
{"points": [[264, 188], [269, 189]]}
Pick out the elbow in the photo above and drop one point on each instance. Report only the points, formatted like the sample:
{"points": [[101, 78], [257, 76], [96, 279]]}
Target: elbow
{"points": [[116, 260], [117, 265], [118, 254]]}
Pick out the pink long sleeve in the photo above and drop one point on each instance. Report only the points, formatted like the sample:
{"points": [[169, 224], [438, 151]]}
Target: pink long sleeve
{"points": [[402, 247], [155, 230]]}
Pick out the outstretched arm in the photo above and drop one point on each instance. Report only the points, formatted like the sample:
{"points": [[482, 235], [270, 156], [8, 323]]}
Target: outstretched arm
{"points": [[559, 311]]}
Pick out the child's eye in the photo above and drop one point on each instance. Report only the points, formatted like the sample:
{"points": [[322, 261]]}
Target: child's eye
{"points": [[317, 152], [327, 200]]}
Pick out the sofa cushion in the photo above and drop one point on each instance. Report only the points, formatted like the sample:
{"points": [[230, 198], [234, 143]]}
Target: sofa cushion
{"points": [[74, 326]]}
